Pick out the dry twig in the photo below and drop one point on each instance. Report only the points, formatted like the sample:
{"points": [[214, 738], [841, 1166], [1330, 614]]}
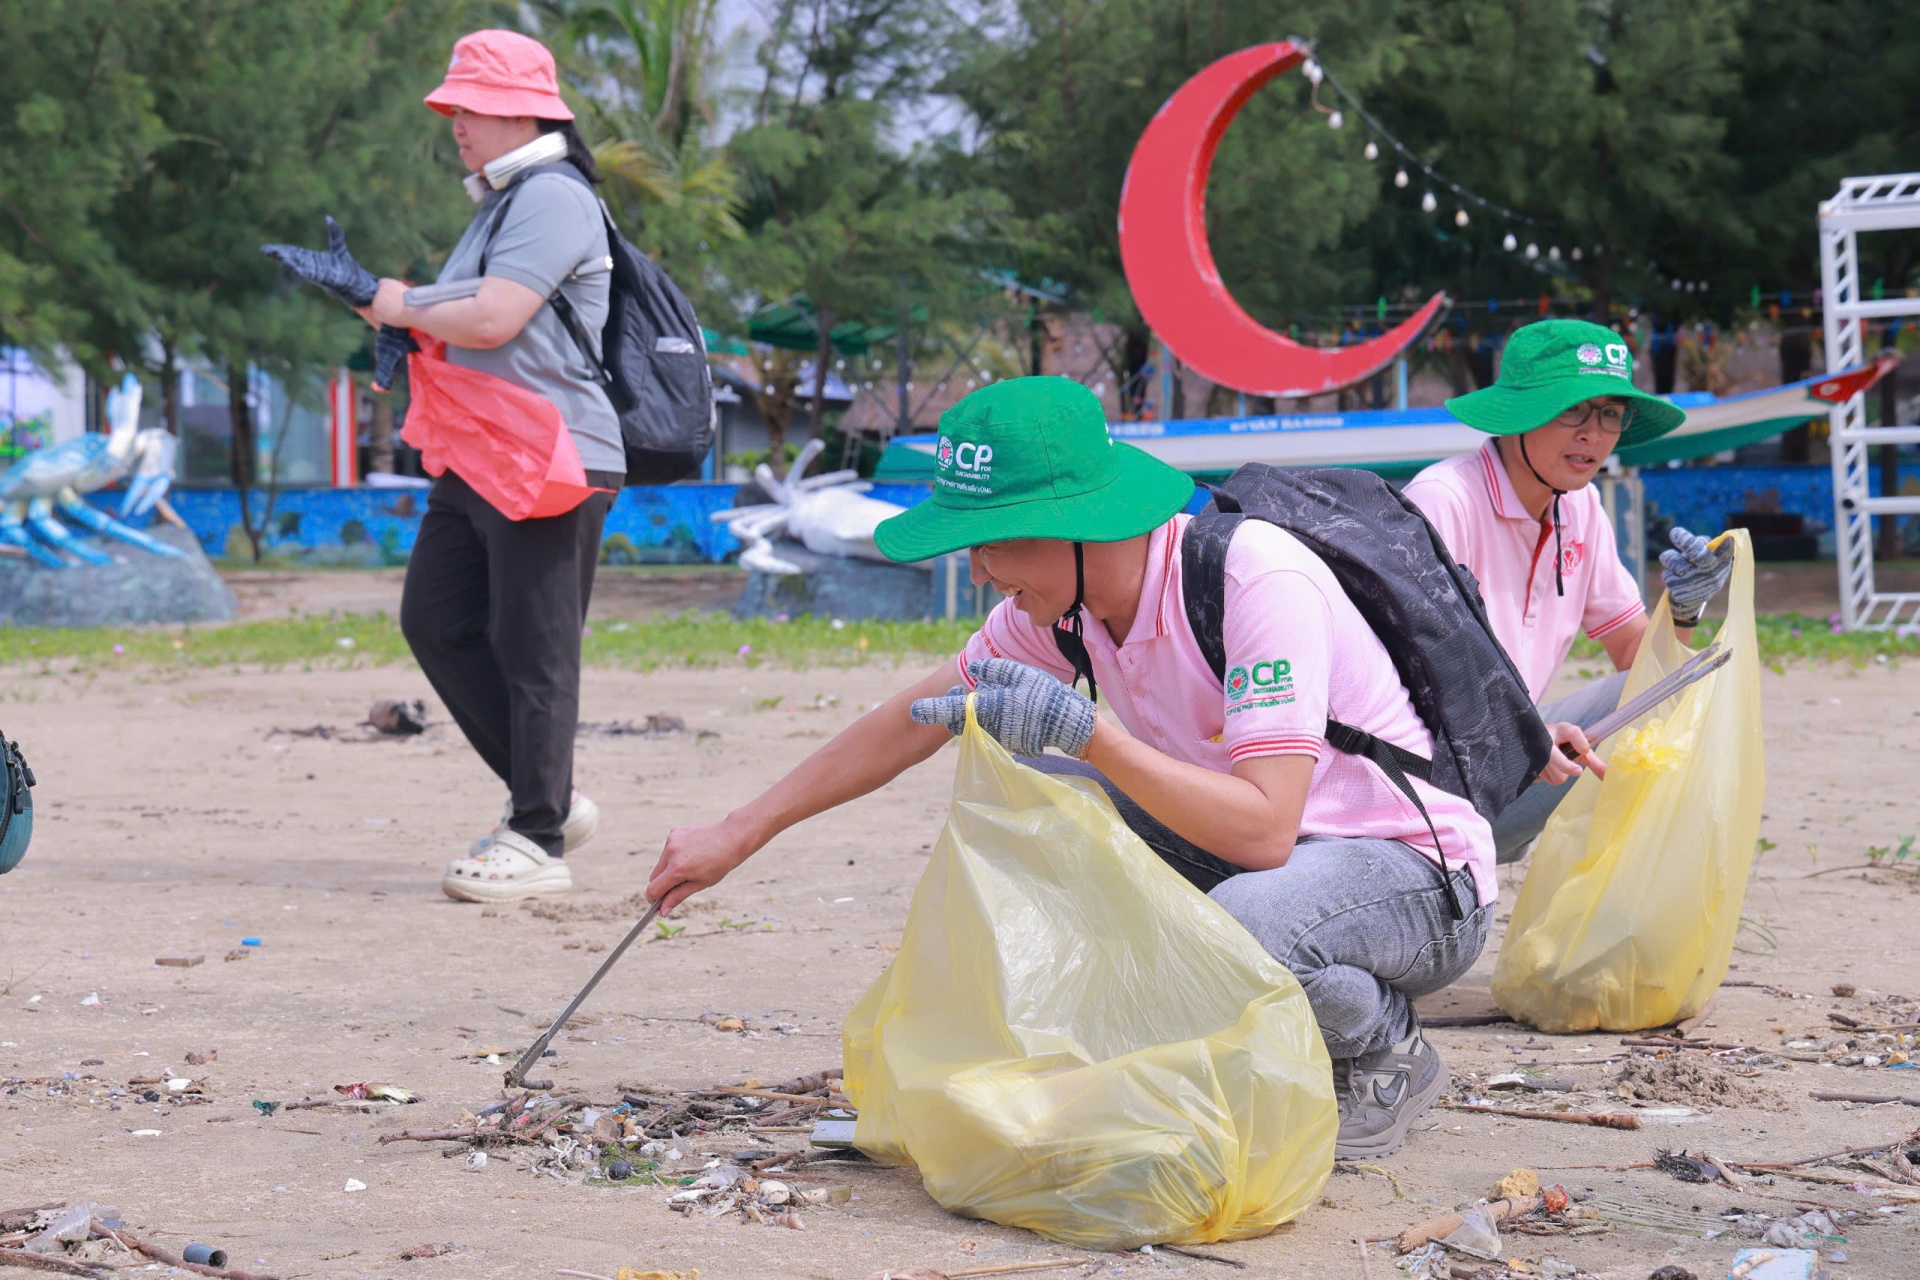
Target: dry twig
{"points": [[132, 1243], [1598, 1119]]}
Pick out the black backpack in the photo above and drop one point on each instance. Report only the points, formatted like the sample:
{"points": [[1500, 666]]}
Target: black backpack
{"points": [[1488, 740], [652, 357]]}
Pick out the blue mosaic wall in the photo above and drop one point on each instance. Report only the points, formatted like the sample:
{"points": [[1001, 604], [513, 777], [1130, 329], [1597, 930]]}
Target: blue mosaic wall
{"points": [[671, 524], [668, 524], [1701, 498]]}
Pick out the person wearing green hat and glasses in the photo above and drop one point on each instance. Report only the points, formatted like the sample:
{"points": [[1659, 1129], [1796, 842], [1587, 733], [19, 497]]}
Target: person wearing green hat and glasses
{"points": [[1521, 514], [1315, 851]]}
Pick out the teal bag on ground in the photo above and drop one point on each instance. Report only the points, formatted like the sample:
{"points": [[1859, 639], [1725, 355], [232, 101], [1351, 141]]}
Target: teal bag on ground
{"points": [[16, 805]]}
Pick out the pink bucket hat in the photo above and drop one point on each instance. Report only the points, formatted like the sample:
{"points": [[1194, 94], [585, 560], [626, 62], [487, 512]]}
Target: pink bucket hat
{"points": [[500, 73]]}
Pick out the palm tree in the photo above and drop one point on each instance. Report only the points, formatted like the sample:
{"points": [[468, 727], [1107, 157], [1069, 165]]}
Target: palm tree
{"points": [[641, 68]]}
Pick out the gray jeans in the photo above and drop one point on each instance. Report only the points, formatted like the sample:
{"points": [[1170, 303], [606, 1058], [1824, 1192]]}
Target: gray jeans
{"points": [[1521, 822], [1363, 924]]}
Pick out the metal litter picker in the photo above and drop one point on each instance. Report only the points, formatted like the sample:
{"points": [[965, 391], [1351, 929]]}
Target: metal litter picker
{"points": [[516, 1077]]}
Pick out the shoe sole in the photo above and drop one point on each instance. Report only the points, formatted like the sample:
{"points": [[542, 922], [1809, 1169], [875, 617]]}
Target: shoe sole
{"points": [[544, 881], [1388, 1141]]}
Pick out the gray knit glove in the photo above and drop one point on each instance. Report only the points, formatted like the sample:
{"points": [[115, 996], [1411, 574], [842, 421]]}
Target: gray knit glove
{"points": [[1695, 573], [391, 346], [334, 270], [1025, 709]]}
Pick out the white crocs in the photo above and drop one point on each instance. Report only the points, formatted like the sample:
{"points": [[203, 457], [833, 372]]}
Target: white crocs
{"points": [[583, 820], [508, 868]]}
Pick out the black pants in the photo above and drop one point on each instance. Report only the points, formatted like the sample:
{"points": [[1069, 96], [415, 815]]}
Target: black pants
{"points": [[493, 610]]}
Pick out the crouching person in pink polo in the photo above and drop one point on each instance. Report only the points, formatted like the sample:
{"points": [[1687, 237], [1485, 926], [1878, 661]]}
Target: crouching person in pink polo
{"points": [[1520, 513], [1232, 782]]}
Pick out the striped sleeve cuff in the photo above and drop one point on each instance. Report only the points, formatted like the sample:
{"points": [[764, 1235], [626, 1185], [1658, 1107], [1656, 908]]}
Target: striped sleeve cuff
{"points": [[1618, 620], [1291, 744]]}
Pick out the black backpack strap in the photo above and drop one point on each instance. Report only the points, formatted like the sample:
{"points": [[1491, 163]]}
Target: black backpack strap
{"points": [[1399, 764], [569, 318], [1074, 649], [1203, 587]]}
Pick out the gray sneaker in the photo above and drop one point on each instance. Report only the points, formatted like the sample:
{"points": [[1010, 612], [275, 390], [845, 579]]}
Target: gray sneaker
{"points": [[1382, 1093]]}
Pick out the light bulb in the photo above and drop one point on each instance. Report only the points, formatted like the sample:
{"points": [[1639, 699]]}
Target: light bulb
{"points": [[1400, 178], [1372, 150], [1575, 255], [1428, 203], [1459, 217], [1335, 120], [1311, 70], [1533, 250], [1554, 253], [1676, 286], [1509, 243]]}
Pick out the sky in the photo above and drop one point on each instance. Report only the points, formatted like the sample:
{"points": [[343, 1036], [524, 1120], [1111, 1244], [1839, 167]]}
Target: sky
{"points": [[741, 25]]}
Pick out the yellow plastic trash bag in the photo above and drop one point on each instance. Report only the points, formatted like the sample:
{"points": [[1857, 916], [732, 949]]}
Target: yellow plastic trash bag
{"points": [[1628, 913], [1074, 1040]]}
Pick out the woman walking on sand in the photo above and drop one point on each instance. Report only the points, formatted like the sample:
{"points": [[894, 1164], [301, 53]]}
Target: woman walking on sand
{"points": [[494, 606]]}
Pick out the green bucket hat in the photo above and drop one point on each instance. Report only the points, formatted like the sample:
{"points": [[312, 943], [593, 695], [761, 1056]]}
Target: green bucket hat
{"points": [[1553, 365], [1032, 458]]}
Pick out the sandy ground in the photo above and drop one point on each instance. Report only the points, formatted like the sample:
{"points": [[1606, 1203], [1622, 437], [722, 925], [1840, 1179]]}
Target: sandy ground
{"points": [[177, 821]]}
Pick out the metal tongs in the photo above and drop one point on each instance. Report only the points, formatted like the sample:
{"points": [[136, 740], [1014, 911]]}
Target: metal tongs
{"points": [[517, 1074], [1698, 667]]}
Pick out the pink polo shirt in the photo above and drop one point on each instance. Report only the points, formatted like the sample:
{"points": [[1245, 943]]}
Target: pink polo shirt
{"points": [[1471, 501], [1297, 652]]}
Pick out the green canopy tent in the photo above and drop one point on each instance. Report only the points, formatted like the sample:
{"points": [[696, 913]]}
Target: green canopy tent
{"points": [[793, 326]]}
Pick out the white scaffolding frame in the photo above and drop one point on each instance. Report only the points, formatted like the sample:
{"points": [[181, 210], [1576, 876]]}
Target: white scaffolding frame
{"points": [[1888, 202]]}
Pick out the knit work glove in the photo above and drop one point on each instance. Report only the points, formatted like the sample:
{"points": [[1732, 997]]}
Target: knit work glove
{"points": [[390, 347], [335, 270], [1695, 573], [1025, 709]]}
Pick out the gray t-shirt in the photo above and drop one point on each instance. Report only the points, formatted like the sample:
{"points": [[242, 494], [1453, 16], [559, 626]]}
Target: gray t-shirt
{"points": [[552, 228]]}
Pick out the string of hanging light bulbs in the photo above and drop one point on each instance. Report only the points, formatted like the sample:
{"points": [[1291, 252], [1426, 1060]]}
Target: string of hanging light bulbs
{"points": [[1317, 74]]}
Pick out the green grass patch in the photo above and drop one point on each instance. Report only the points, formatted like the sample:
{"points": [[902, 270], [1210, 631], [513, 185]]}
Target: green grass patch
{"points": [[701, 640], [688, 640], [1788, 637]]}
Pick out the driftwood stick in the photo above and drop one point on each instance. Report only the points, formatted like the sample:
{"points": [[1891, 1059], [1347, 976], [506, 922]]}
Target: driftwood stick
{"points": [[1853, 866], [1726, 1175], [1685, 1026], [133, 1243], [1864, 1097], [459, 1135], [1603, 1121], [1752, 1165], [731, 1092], [15, 1219], [1448, 1223], [1469, 1020], [1008, 1268], [48, 1262], [1185, 1252]]}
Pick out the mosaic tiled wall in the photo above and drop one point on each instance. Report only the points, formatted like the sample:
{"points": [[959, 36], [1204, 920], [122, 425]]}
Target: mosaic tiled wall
{"points": [[671, 524]]}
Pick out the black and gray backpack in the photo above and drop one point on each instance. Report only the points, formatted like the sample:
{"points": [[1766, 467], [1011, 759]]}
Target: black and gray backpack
{"points": [[1488, 739], [651, 358]]}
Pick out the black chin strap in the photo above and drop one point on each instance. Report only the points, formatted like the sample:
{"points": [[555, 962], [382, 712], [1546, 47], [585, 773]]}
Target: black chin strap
{"points": [[1074, 624], [1559, 587]]}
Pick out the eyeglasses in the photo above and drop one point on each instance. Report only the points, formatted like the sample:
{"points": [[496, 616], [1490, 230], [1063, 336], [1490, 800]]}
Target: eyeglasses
{"points": [[1612, 418]]}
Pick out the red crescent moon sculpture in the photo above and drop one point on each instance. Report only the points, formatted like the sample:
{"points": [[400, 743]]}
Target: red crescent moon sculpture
{"points": [[1169, 265]]}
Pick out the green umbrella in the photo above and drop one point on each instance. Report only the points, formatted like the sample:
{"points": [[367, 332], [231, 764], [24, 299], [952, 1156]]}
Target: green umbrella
{"points": [[721, 345], [791, 325]]}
